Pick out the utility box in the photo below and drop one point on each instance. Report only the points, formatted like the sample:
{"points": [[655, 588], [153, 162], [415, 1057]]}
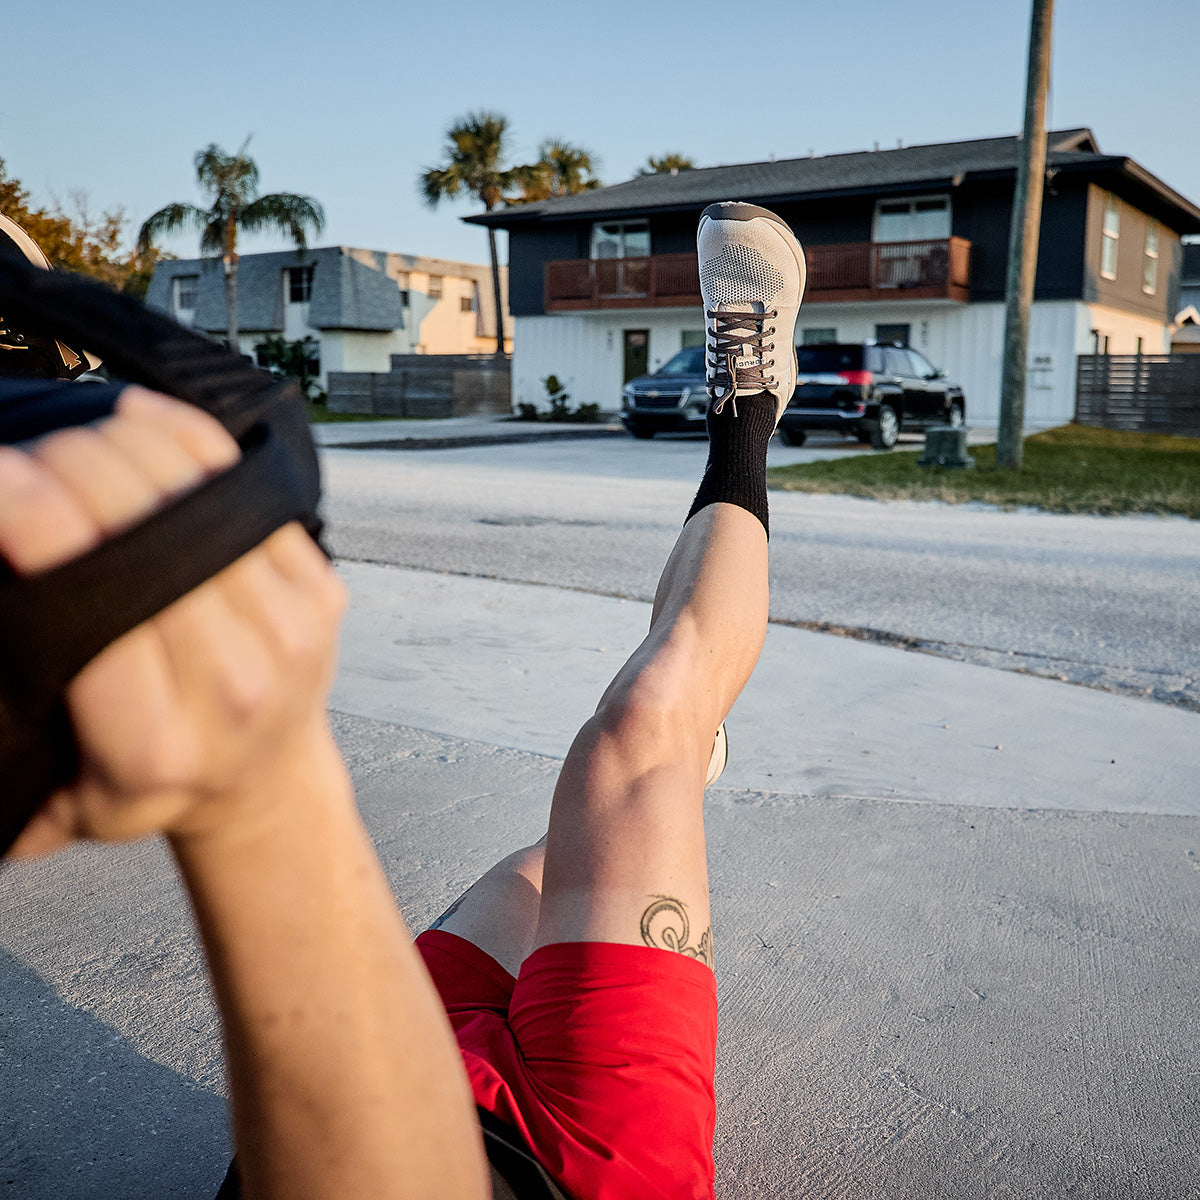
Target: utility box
{"points": [[946, 446]]}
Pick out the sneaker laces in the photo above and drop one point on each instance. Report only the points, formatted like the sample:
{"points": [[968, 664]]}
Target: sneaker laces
{"points": [[736, 352]]}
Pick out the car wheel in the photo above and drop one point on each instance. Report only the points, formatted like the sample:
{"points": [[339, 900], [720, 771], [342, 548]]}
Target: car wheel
{"points": [[955, 414], [642, 433], [792, 437], [886, 429]]}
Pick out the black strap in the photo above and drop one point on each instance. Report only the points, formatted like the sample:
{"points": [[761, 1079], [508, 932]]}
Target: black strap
{"points": [[516, 1174], [52, 625], [513, 1162], [136, 343]]}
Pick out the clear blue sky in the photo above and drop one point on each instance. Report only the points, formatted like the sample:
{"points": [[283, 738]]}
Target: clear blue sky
{"points": [[348, 102]]}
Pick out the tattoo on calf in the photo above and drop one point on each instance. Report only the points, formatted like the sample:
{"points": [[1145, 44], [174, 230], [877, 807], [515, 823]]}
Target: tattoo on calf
{"points": [[665, 926], [450, 911]]}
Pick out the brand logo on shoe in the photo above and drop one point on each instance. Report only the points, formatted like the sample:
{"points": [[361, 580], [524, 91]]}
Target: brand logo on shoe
{"points": [[747, 362]]}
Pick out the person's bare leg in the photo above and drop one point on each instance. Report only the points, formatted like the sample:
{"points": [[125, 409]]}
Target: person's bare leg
{"points": [[624, 858], [625, 855], [499, 911], [706, 631]]}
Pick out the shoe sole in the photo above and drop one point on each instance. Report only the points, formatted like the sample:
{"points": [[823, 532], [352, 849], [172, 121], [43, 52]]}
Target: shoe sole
{"points": [[736, 211], [720, 756]]}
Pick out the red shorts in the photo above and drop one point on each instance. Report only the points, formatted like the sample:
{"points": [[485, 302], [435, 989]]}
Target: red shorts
{"points": [[601, 1055]]}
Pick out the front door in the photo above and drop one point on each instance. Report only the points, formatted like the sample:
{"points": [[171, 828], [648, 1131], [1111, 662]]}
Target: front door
{"points": [[637, 353]]}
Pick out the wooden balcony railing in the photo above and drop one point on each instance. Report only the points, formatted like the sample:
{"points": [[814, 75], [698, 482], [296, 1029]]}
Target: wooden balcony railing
{"points": [[928, 270]]}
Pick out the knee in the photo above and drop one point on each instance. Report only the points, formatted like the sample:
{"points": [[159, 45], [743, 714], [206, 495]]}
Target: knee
{"points": [[652, 720]]}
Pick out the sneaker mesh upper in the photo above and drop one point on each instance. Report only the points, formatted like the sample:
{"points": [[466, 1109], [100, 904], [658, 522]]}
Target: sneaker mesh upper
{"points": [[739, 274]]}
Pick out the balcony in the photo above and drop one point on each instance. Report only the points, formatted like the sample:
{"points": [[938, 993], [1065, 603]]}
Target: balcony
{"points": [[855, 271]]}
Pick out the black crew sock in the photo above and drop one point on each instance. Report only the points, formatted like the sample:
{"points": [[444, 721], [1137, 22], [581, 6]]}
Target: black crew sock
{"points": [[737, 457]]}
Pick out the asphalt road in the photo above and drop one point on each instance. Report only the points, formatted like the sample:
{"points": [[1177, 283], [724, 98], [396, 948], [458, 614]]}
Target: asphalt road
{"points": [[1105, 602], [978, 982]]}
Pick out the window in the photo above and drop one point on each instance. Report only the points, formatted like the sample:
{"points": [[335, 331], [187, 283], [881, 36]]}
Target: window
{"points": [[621, 239], [1150, 260], [828, 360], [404, 297], [1109, 237], [300, 281], [691, 337], [896, 362], [689, 361], [467, 304], [897, 334], [811, 337], [434, 290], [186, 287], [924, 219], [922, 367]]}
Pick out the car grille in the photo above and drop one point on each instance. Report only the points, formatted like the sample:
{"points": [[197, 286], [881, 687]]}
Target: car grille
{"points": [[657, 399]]}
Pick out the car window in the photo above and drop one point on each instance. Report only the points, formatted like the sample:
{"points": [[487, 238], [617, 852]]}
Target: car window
{"points": [[686, 362], [875, 359], [896, 362], [824, 360], [922, 367]]}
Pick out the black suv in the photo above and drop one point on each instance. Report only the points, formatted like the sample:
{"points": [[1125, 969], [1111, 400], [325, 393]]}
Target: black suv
{"points": [[673, 398], [868, 391]]}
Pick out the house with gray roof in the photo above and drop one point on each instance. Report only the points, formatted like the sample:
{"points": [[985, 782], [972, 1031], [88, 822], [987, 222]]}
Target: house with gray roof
{"points": [[359, 306], [908, 244]]}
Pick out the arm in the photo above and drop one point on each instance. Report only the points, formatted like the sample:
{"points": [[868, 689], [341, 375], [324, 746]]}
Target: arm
{"points": [[207, 725]]}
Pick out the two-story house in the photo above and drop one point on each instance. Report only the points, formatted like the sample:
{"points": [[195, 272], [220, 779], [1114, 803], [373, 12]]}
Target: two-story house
{"points": [[359, 306], [905, 245]]}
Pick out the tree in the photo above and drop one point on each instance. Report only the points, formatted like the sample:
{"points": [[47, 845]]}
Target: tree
{"points": [[475, 149], [77, 241], [561, 170], [230, 184], [667, 164]]}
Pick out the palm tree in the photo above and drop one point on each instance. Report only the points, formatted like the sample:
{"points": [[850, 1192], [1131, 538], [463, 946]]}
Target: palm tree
{"points": [[474, 164], [230, 183], [667, 164], [561, 170]]}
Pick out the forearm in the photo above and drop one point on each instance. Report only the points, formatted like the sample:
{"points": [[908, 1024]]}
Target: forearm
{"points": [[344, 1073]]}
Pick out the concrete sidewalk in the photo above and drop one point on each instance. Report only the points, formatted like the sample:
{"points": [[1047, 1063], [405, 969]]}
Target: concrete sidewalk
{"points": [[488, 429], [483, 429], [958, 945]]}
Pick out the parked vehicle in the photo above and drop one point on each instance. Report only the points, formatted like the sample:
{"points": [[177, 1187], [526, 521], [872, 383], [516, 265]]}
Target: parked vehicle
{"points": [[670, 399], [868, 391]]}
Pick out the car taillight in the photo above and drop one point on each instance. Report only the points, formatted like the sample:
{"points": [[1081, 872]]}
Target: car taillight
{"points": [[857, 378]]}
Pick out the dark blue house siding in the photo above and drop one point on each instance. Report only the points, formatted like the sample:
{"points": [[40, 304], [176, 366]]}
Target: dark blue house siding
{"points": [[529, 250], [980, 213], [982, 216]]}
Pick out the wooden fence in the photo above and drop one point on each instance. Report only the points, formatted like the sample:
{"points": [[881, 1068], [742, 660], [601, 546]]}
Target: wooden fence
{"points": [[425, 385], [1152, 393]]}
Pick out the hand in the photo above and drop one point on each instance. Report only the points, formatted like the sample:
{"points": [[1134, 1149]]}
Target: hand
{"points": [[180, 720]]}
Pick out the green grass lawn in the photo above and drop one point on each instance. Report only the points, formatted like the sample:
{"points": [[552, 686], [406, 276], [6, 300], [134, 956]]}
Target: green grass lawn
{"points": [[1069, 469], [321, 415]]}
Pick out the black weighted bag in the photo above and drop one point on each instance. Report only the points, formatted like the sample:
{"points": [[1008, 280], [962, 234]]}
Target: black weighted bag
{"points": [[53, 624]]}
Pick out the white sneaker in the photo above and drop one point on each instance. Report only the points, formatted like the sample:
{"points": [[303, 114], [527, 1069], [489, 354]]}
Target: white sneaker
{"points": [[751, 281], [719, 757]]}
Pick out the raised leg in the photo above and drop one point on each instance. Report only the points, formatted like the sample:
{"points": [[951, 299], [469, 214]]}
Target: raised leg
{"points": [[634, 777], [625, 853], [624, 858]]}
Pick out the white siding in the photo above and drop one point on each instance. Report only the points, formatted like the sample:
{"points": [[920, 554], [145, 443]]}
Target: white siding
{"points": [[965, 340], [586, 351]]}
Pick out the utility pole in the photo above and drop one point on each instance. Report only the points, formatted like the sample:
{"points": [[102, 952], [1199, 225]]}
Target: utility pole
{"points": [[1023, 241]]}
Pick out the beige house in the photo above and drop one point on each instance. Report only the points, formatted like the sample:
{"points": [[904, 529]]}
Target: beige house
{"points": [[359, 306]]}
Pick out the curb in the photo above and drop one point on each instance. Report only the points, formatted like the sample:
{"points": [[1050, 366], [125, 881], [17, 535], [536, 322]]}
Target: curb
{"points": [[472, 439]]}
